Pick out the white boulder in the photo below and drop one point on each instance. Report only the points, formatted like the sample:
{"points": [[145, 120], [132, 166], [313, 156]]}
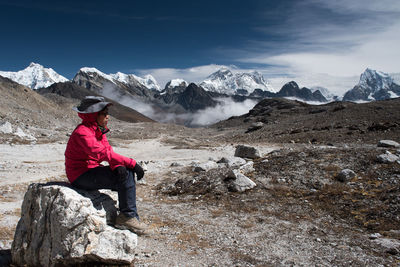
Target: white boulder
{"points": [[60, 225], [387, 158], [240, 182], [388, 143]]}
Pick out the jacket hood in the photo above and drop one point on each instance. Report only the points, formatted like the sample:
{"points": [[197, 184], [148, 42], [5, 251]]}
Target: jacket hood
{"points": [[88, 118]]}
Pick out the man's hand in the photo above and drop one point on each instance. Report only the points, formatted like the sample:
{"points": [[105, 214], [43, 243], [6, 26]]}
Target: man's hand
{"points": [[139, 171]]}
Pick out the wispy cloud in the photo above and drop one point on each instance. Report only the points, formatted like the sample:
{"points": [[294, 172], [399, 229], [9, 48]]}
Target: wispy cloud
{"points": [[339, 38], [193, 74]]}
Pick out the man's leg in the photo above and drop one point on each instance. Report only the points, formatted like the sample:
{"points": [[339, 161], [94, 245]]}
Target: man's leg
{"points": [[97, 178], [121, 180], [126, 187]]}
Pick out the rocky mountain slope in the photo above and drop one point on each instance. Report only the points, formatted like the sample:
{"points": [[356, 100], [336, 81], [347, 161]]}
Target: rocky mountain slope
{"points": [[74, 91], [283, 120], [34, 115]]}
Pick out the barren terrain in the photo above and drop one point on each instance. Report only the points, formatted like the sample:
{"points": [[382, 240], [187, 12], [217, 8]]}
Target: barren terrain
{"points": [[298, 214]]}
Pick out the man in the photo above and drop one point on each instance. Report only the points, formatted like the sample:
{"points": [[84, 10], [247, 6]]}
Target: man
{"points": [[87, 147]]}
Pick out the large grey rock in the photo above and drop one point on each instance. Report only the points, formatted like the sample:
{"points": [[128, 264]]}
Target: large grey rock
{"points": [[345, 175], [387, 158], [63, 226], [247, 152], [239, 182], [388, 143]]}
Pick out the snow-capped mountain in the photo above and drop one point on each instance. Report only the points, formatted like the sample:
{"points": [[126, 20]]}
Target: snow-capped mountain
{"points": [[148, 81], [373, 85], [176, 83], [130, 79], [34, 76], [225, 82]]}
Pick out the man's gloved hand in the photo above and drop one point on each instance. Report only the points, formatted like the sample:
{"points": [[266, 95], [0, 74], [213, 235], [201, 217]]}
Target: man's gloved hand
{"points": [[139, 171]]}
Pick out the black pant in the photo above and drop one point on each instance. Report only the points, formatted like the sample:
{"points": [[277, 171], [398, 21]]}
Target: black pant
{"points": [[104, 178]]}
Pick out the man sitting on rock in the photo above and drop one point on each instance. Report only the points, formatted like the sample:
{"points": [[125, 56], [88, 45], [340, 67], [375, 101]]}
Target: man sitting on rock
{"points": [[87, 147]]}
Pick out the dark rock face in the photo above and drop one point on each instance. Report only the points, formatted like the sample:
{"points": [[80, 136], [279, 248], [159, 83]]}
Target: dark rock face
{"points": [[291, 89], [195, 98]]}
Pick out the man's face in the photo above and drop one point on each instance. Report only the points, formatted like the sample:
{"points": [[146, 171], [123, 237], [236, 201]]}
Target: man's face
{"points": [[102, 117]]}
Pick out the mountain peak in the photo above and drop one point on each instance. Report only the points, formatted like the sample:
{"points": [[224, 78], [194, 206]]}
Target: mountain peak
{"points": [[225, 82], [376, 80], [34, 76], [373, 85], [176, 83], [130, 79], [33, 65]]}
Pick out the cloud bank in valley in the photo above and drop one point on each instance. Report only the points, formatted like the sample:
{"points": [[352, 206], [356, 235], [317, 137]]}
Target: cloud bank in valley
{"points": [[225, 109]]}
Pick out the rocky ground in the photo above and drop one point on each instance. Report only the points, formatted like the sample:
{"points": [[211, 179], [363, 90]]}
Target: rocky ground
{"points": [[303, 211], [300, 213]]}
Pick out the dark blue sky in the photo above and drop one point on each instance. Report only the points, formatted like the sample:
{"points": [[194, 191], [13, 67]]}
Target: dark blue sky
{"points": [[275, 37], [124, 35]]}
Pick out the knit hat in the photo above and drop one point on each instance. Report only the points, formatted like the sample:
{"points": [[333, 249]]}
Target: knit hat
{"points": [[91, 104]]}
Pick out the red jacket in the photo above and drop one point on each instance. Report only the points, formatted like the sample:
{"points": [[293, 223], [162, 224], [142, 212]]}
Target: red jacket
{"points": [[87, 147]]}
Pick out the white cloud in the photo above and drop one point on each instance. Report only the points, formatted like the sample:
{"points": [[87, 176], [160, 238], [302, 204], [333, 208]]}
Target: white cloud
{"points": [[193, 74], [226, 109], [334, 41]]}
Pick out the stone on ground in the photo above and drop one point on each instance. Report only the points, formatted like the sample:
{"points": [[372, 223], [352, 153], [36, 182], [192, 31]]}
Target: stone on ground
{"points": [[247, 152], [63, 226], [240, 182]]}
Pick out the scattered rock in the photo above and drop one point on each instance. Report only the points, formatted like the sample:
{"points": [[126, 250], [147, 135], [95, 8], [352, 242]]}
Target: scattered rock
{"points": [[345, 175], [232, 161], [388, 143], [375, 236], [247, 168], [6, 128], [203, 167], [176, 164], [63, 226], [387, 158], [254, 127], [247, 152], [392, 246], [239, 182]]}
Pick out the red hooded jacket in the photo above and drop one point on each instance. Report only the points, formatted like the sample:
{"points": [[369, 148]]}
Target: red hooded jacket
{"points": [[87, 147]]}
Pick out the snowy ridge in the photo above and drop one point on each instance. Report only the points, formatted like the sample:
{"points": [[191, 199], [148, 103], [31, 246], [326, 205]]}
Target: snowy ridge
{"points": [[35, 76], [376, 80], [176, 82], [148, 81], [225, 82], [373, 85]]}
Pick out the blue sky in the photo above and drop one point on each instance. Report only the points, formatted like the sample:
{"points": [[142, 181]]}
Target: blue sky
{"points": [[309, 40]]}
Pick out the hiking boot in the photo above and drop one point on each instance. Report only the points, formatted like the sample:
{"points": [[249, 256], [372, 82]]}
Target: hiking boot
{"points": [[131, 224]]}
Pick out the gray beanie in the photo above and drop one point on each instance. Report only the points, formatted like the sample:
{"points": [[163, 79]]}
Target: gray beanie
{"points": [[91, 104]]}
